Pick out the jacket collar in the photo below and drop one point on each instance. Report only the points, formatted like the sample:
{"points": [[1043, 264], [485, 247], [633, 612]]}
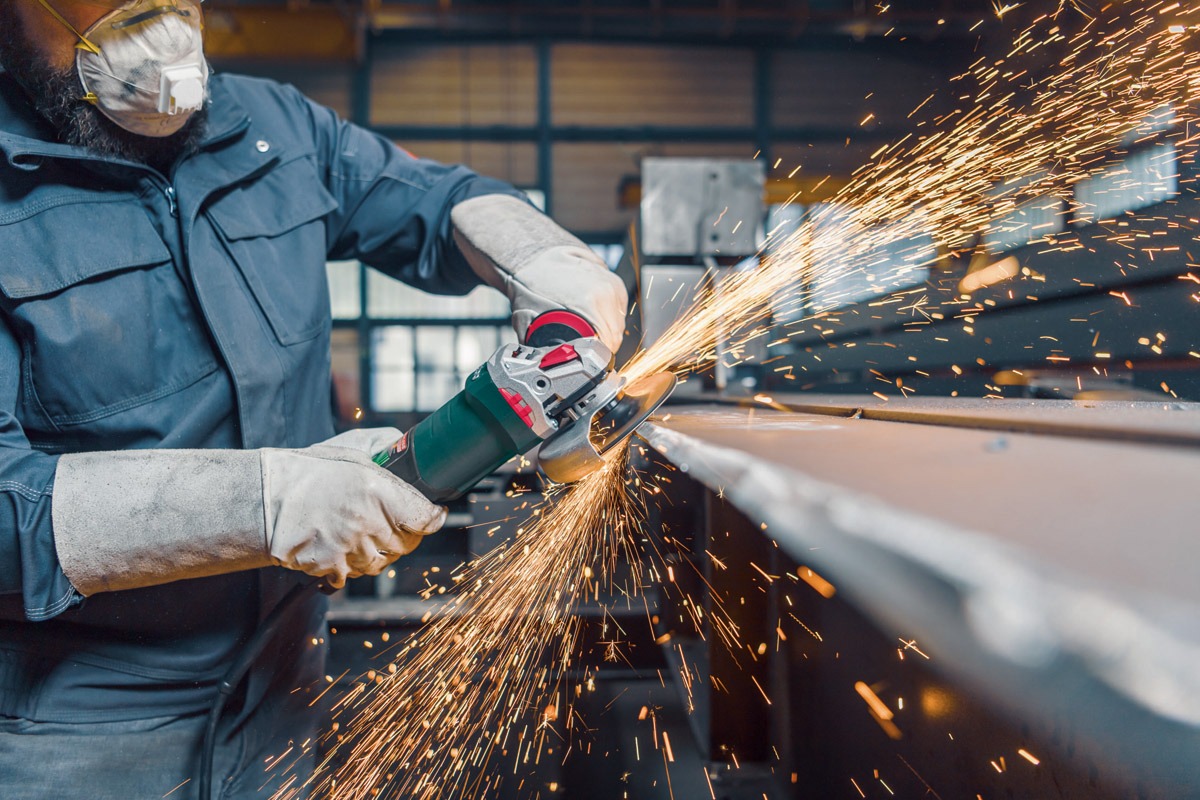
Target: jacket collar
{"points": [[25, 138]]}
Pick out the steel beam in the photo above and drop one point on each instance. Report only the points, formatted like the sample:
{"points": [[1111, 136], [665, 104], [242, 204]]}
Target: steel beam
{"points": [[1163, 423], [1051, 575]]}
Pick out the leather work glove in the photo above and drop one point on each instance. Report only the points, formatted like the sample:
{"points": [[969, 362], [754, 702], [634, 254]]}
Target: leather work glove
{"points": [[332, 513], [539, 266], [128, 519]]}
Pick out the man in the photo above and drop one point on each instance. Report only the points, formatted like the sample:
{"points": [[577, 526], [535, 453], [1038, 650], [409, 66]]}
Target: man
{"points": [[164, 375]]}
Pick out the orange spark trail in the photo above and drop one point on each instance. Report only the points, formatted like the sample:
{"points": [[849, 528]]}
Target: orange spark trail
{"points": [[486, 686]]}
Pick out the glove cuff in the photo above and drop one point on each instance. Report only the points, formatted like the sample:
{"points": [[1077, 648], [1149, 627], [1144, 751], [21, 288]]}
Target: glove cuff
{"points": [[500, 235], [539, 266], [126, 520]]}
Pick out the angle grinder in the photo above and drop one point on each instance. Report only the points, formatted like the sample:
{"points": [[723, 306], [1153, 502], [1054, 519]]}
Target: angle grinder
{"points": [[557, 390]]}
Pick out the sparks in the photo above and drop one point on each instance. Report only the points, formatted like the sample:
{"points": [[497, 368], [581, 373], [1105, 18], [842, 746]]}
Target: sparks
{"points": [[489, 684]]}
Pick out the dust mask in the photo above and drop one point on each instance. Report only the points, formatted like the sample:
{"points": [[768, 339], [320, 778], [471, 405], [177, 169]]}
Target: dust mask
{"points": [[143, 64]]}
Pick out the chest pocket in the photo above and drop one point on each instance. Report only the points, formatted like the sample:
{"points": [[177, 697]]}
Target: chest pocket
{"points": [[105, 323], [274, 230]]}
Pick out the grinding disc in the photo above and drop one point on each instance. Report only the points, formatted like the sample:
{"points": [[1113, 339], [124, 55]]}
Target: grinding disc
{"points": [[633, 406]]}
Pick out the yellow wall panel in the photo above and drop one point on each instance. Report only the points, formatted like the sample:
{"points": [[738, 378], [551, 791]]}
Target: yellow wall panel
{"points": [[513, 162], [603, 84], [830, 89], [454, 85]]}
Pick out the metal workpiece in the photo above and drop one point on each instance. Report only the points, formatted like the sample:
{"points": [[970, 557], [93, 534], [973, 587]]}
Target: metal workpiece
{"points": [[1164, 421], [1043, 554]]}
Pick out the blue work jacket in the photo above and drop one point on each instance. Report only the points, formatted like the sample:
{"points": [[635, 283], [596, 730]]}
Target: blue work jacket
{"points": [[139, 310]]}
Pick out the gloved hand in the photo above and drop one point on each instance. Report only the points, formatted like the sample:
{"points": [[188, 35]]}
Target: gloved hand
{"points": [[128, 519], [538, 265], [332, 513]]}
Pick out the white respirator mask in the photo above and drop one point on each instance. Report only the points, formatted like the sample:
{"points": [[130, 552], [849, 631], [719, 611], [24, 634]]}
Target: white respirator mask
{"points": [[143, 64]]}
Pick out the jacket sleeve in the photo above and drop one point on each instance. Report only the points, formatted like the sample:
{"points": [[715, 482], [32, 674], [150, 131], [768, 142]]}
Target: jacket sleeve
{"points": [[394, 208], [28, 563]]}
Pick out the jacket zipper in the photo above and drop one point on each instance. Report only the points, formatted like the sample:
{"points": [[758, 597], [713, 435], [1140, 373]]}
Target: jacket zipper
{"points": [[172, 205]]}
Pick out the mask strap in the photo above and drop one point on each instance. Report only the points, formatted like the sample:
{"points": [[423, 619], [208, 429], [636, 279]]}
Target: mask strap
{"points": [[84, 42]]}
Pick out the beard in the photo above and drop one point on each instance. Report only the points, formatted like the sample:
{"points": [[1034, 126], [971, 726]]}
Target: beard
{"points": [[56, 95]]}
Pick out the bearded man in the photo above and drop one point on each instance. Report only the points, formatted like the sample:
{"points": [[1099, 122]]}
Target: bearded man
{"points": [[167, 472]]}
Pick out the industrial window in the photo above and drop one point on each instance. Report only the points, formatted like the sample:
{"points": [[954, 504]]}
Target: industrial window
{"points": [[1023, 212], [419, 367], [420, 347], [1028, 222], [424, 346], [1144, 178], [900, 260], [390, 299], [344, 298]]}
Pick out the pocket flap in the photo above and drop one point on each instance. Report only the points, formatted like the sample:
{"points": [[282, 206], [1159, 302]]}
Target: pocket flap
{"points": [[281, 200], [68, 244]]}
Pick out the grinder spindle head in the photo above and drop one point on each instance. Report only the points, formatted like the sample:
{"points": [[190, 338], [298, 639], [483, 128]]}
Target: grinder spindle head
{"points": [[601, 422]]}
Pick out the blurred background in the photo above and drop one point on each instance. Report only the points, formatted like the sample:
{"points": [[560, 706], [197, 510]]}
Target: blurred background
{"points": [[672, 136], [565, 100]]}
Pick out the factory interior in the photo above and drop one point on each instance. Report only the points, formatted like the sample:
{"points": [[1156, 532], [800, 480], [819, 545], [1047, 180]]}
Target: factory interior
{"points": [[920, 518]]}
